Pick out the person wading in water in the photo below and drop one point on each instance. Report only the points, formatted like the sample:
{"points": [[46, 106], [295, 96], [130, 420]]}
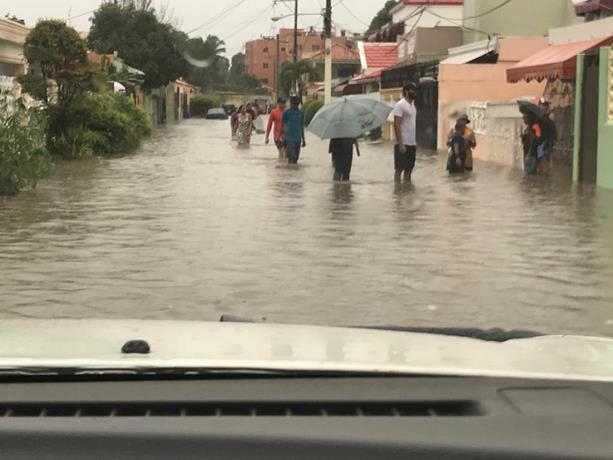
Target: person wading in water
{"points": [[405, 115]]}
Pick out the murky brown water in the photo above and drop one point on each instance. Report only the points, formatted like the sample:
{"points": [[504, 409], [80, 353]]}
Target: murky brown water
{"points": [[189, 228]]}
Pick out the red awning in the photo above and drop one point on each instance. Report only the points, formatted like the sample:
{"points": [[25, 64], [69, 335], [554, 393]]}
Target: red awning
{"points": [[555, 61]]}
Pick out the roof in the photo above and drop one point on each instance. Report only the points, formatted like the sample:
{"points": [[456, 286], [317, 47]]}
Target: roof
{"points": [[367, 78], [339, 53], [468, 53], [379, 55], [555, 61]]}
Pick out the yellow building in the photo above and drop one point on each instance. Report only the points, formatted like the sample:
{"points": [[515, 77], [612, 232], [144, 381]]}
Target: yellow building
{"points": [[12, 62]]}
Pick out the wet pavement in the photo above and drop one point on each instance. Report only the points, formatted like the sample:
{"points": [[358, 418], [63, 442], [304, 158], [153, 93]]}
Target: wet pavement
{"points": [[190, 228]]}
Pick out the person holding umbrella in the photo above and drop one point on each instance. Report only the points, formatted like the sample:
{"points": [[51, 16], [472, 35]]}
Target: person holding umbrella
{"points": [[405, 127], [342, 157], [343, 121], [538, 138]]}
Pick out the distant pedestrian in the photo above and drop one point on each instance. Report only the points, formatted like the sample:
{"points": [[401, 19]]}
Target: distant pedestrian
{"points": [[342, 157], [244, 127], [531, 140], [234, 122], [293, 126], [405, 116], [276, 119], [470, 140]]}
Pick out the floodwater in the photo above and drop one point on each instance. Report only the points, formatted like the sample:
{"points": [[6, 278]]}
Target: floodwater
{"points": [[191, 228]]}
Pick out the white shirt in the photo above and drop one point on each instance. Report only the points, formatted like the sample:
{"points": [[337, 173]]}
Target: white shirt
{"points": [[408, 126]]}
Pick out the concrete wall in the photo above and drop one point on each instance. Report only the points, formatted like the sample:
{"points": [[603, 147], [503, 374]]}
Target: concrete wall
{"points": [[562, 97], [453, 12], [519, 17], [581, 32], [463, 85], [605, 120]]}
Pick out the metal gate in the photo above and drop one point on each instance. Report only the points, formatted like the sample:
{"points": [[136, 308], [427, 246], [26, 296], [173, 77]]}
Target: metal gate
{"points": [[588, 158], [427, 114]]}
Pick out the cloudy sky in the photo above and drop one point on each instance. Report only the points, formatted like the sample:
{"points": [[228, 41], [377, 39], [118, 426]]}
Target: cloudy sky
{"points": [[248, 20]]}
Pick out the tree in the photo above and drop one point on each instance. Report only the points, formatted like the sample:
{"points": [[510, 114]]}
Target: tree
{"points": [[238, 78], [60, 54], [382, 17], [209, 67], [131, 28], [297, 75]]}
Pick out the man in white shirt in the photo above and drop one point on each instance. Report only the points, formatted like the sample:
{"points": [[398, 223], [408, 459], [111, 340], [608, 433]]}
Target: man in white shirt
{"points": [[405, 115]]}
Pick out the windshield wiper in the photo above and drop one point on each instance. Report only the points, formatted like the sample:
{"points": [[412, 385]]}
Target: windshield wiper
{"points": [[487, 335]]}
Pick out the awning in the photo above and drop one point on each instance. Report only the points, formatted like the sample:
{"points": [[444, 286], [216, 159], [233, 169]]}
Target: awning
{"points": [[555, 61], [468, 53]]}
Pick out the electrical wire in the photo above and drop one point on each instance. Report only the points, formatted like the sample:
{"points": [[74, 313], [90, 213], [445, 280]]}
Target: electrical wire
{"points": [[220, 16], [342, 3]]}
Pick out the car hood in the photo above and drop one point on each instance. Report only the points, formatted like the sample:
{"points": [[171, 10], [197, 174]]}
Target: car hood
{"points": [[97, 345]]}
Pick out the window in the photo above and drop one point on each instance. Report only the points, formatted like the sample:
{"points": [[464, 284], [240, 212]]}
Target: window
{"points": [[316, 47], [265, 50], [265, 65], [264, 81], [283, 49]]}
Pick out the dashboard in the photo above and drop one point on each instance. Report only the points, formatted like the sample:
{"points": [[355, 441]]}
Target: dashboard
{"points": [[307, 418]]}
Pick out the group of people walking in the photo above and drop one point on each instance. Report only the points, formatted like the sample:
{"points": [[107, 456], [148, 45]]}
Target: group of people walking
{"points": [[288, 132]]}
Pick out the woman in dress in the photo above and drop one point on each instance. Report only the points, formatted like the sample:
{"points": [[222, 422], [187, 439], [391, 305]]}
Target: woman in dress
{"points": [[244, 123]]}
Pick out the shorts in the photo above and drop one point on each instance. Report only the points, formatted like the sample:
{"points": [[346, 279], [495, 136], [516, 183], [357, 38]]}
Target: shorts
{"points": [[405, 161], [293, 151]]}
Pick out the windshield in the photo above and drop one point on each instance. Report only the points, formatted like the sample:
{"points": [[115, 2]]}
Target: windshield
{"points": [[364, 163]]}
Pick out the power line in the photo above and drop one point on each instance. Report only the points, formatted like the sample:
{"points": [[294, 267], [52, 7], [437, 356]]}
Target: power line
{"points": [[342, 3], [220, 16]]}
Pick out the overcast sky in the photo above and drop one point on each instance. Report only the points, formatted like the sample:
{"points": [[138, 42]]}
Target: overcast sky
{"points": [[247, 21]]}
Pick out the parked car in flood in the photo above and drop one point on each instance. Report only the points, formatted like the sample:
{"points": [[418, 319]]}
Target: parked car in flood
{"points": [[216, 114]]}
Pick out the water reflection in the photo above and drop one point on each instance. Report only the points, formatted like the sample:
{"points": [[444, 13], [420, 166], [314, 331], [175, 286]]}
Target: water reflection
{"points": [[182, 231]]}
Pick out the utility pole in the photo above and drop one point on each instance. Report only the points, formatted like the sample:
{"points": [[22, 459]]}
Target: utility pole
{"points": [[278, 67], [296, 32], [328, 51]]}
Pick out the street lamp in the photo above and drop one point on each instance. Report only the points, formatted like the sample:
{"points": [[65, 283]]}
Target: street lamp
{"points": [[279, 18]]}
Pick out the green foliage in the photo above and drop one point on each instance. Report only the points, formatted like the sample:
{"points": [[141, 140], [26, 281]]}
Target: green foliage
{"points": [[311, 110], [238, 78], [23, 156], [382, 17], [61, 55], [201, 104], [375, 134], [209, 68], [297, 74], [99, 124], [135, 32]]}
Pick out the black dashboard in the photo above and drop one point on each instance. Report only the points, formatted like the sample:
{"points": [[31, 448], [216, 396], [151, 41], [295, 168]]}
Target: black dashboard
{"points": [[307, 418]]}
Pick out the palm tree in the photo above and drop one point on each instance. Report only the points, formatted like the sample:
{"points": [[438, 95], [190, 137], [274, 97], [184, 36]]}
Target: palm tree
{"points": [[297, 75]]}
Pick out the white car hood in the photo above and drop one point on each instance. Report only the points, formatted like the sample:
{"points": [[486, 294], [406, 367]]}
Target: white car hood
{"points": [[89, 345]]}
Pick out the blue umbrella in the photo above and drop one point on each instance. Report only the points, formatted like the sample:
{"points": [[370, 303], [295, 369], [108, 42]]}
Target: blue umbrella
{"points": [[350, 116]]}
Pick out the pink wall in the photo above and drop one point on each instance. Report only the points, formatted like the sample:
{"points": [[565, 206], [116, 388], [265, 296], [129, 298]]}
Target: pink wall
{"points": [[482, 82]]}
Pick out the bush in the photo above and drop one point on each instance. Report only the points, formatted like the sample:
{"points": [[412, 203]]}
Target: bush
{"points": [[23, 156], [375, 134], [311, 110], [99, 124], [201, 104]]}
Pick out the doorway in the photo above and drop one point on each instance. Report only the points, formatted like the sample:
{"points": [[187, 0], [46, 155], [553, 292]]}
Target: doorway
{"points": [[588, 153]]}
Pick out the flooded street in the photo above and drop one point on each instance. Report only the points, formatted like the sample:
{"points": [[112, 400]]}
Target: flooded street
{"points": [[190, 228]]}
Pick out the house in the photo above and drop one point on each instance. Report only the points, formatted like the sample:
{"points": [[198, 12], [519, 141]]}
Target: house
{"points": [[12, 62], [265, 56], [557, 66], [345, 59], [374, 58], [515, 18]]}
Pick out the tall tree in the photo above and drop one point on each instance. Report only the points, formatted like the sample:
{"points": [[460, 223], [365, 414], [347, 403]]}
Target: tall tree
{"points": [[209, 67], [383, 16], [131, 28]]}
